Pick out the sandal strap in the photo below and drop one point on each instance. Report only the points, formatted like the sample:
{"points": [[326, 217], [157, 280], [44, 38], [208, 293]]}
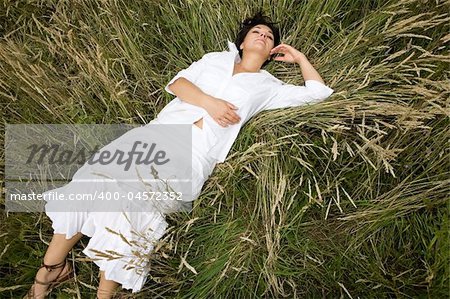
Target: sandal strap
{"points": [[56, 281], [58, 278], [50, 268], [55, 266]]}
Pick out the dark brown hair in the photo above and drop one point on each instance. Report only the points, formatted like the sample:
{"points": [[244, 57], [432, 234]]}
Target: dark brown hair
{"points": [[258, 19]]}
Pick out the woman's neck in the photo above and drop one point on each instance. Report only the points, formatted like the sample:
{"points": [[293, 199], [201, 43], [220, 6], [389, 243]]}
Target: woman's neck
{"points": [[249, 63]]}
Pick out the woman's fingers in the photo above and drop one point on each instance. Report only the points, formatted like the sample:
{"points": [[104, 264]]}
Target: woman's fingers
{"points": [[279, 48], [226, 113], [290, 54], [233, 116], [222, 123], [284, 49], [225, 122], [232, 106], [228, 119]]}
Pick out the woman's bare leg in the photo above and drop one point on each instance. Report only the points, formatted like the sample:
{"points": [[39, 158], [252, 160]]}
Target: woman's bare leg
{"points": [[59, 247], [56, 252], [106, 288]]}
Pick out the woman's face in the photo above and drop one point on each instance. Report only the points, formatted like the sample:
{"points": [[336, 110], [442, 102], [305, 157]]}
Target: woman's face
{"points": [[260, 38]]}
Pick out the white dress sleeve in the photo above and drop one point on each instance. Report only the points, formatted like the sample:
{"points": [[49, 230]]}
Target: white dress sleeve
{"points": [[191, 73], [288, 95]]}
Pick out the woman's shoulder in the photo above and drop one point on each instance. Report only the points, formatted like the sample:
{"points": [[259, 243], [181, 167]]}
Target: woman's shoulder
{"points": [[271, 77]]}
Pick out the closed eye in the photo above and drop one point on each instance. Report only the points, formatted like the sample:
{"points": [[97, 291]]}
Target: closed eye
{"points": [[267, 35]]}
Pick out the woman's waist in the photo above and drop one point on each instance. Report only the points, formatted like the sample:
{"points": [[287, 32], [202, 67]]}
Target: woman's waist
{"points": [[202, 141]]}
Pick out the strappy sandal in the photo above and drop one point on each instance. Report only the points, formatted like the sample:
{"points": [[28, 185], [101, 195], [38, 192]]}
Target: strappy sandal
{"points": [[55, 282]]}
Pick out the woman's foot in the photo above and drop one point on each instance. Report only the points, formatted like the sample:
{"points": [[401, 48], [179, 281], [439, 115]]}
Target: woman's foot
{"points": [[47, 277]]}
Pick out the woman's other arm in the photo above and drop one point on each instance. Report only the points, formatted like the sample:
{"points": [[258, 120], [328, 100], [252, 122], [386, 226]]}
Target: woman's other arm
{"points": [[189, 92]]}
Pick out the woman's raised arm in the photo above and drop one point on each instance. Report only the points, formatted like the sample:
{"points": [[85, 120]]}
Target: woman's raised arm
{"points": [[292, 55], [290, 95]]}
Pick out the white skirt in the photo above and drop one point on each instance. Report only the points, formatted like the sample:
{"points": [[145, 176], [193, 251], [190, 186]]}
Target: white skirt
{"points": [[140, 229]]}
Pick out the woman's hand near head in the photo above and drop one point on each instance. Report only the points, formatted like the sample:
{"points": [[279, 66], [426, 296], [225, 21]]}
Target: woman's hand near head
{"points": [[291, 55], [221, 111]]}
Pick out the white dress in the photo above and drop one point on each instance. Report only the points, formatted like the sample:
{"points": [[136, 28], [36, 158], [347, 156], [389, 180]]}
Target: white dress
{"points": [[141, 228]]}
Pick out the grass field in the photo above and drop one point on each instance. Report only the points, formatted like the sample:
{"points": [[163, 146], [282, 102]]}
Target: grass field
{"points": [[344, 199]]}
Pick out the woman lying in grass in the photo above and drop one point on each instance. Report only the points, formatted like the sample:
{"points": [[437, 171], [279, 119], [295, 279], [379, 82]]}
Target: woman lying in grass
{"points": [[216, 95]]}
